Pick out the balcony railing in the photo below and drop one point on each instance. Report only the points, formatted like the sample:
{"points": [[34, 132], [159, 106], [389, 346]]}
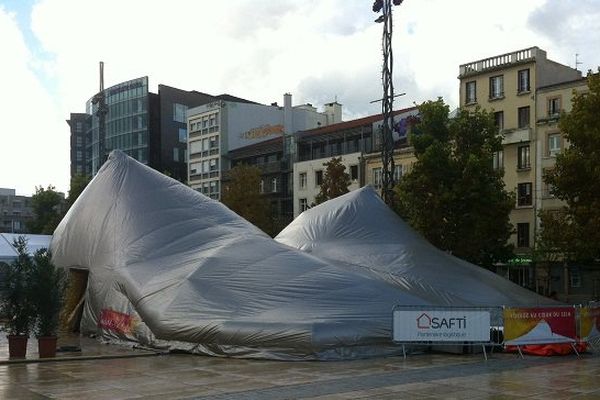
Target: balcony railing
{"points": [[500, 61]]}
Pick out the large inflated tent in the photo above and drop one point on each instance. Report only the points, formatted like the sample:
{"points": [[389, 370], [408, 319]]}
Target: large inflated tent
{"points": [[170, 267]]}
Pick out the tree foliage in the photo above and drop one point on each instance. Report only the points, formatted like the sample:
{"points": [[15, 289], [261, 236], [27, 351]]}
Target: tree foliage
{"points": [[47, 209], [574, 231], [335, 181], [78, 183], [242, 195], [48, 284], [16, 303], [453, 195]]}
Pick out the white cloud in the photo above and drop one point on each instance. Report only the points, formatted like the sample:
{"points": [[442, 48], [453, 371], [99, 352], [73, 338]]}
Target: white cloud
{"points": [[260, 49]]}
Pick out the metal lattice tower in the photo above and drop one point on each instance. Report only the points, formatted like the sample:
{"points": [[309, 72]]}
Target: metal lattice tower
{"points": [[387, 141]]}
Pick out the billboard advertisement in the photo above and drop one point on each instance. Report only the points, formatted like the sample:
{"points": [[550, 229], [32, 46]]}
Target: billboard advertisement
{"points": [[537, 325], [427, 325], [590, 322]]}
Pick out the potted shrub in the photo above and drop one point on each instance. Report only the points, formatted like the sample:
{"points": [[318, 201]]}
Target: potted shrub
{"points": [[48, 285], [16, 304]]}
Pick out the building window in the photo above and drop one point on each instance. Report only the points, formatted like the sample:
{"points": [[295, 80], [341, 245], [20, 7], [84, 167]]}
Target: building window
{"points": [[303, 180], [214, 187], [574, 277], [195, 147], [523, 81], [318, 178], [354, 172], [497, 87], [274, 185], [214, 164], [303, 205], [548, 189], [554, 107], [261, 186], [523, 117], [179, 111], [213, 142], [499, 120], [182, 135], [498, 159], [523, 234], [175, 154], [471, 92], [397, 173], [377, 178], [523, 159], [553, 144], [524, 194]]}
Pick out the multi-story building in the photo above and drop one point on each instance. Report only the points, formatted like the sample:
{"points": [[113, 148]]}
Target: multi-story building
{"points": [[575, 283], [358, 145], [15, 212], [222, 126], [275, 170], [507, 85], [518, 88], [150, 127]]}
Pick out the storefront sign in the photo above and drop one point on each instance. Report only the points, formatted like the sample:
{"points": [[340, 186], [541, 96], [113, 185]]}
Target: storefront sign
{"points": [[262, 131], [539, 325], [441, 325]]}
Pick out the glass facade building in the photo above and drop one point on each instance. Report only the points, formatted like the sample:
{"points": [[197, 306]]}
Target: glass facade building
{"points": [[150, 127], [127, 124]]}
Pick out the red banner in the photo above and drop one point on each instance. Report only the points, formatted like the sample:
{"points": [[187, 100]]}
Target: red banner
{"points": [[115, 321]]}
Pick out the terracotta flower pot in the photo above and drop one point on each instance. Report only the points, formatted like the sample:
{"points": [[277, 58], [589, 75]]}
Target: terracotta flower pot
{"points": [[47, 346], [17, 346]]}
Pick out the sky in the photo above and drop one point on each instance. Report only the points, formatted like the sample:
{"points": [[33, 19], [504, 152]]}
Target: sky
{"points": [[317, 50]]}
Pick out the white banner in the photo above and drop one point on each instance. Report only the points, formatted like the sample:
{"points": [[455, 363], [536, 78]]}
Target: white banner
{"points": [[441, 326]]}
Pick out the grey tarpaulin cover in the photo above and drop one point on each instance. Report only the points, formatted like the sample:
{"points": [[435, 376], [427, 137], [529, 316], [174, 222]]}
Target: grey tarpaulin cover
{"points": [[360, 230], [170, 267]]}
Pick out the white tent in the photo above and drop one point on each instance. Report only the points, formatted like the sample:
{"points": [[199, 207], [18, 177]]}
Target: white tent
{"points": [[170, 267], [34, 242]]}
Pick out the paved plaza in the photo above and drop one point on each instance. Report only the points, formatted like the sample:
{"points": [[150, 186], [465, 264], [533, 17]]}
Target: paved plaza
{"points": [[113, 372]]}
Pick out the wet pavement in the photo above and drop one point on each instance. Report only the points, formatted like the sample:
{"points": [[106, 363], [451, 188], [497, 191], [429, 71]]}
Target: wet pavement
{"points": [[180, 376]]}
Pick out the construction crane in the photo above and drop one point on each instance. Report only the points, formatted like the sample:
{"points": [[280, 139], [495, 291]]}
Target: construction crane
{"points": [[101, 110]]}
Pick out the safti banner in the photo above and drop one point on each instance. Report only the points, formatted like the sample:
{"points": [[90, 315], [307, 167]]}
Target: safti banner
{"points": [[590, 322], [539, 325], [441, 326]]}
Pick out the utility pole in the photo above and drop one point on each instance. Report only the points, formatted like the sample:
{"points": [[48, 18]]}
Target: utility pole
{"points": [[101, 110], [387, 101]]}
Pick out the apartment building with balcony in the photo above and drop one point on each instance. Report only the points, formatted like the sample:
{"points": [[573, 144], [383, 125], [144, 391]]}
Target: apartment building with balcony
{"points": [[513, 87]]}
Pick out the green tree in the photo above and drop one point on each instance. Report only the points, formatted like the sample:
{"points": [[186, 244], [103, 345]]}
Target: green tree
{"points": [[16, 304], [47, 207], [453, 195], [78, 183], [242, 195], [335, 181], [574, 231]]}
